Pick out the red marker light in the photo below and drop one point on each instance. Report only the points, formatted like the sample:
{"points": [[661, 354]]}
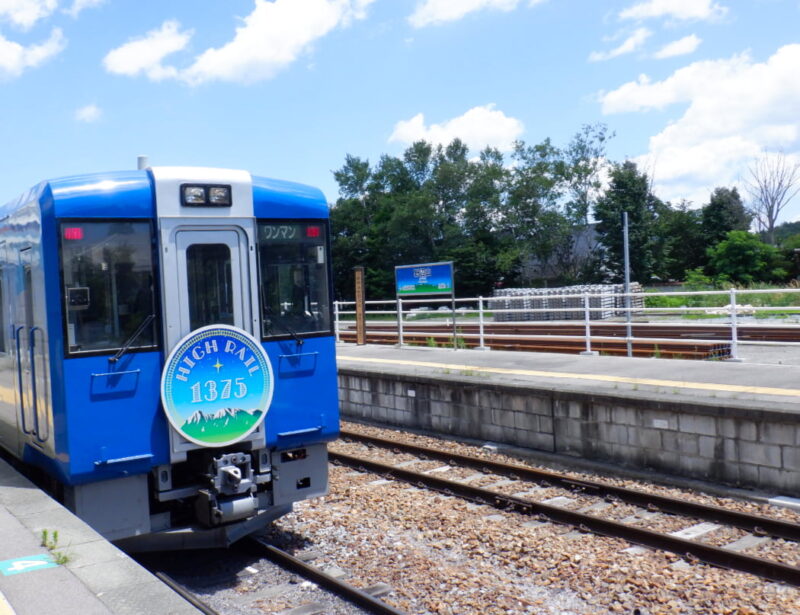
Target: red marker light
{"points": [[73, 232], [313, 231]]}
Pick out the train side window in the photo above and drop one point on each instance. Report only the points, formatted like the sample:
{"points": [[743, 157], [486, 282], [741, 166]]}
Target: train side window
{"points": [[294, 277], [108, 277]]}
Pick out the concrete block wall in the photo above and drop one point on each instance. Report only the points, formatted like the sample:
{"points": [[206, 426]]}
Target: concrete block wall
{"points": [[752, 448]]}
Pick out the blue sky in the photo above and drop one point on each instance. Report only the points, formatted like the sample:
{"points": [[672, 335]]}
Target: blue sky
{"points": [[693, 89]]}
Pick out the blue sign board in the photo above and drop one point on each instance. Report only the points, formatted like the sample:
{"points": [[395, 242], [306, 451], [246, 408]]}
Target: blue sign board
{"points": [[425, 279], [217, 385]]}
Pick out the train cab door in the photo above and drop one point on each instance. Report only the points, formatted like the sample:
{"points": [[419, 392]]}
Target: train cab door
{"points": [[206, 274], [212, 271], [29, 349]]}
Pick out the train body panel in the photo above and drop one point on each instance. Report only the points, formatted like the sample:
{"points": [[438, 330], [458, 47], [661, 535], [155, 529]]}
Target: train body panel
{"points": [[101, 277]]}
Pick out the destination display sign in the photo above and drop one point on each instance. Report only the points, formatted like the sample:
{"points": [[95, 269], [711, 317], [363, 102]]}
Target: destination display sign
{"points": [[424, 279], [217, 385]]}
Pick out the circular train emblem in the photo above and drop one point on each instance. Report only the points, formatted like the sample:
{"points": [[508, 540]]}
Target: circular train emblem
{"points": [[217, 385]]}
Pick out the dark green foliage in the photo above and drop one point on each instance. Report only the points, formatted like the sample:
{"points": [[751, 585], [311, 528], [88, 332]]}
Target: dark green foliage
{"points": [[629, 191], [524, 220], [681, 244], [785, 231], [435, 204], [724, 212], [743, 258]]}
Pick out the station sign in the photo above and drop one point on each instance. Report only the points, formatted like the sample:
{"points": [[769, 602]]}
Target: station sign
{"points": [[217, 385], [424, 279]]}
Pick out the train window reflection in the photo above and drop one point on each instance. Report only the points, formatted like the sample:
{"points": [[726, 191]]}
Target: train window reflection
{"points": [[294, 277], [210, 290], [107, 284]]}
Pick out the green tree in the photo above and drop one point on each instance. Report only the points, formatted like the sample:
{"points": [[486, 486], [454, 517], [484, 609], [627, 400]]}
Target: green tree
{"points": [[724, 212], [584, 161], [743, 258], [629, 191], [681, 245]]}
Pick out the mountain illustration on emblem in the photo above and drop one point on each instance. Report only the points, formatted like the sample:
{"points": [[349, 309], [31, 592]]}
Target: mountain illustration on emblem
{"points": [[222, 425]]}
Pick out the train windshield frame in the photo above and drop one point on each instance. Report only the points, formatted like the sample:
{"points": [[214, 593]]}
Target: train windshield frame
{"points": [[294, 278], [108, 285]]}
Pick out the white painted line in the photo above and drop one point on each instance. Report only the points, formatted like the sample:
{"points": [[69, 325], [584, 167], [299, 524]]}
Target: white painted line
{"points": [[695, 531]]}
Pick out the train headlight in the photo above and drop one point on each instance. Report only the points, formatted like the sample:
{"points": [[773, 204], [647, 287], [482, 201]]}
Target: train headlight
{"points": [[219, 196], [194, 195]]}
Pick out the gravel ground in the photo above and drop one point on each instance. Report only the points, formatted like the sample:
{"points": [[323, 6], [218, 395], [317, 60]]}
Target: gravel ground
{"points": [[444, 555], [238, 582]]}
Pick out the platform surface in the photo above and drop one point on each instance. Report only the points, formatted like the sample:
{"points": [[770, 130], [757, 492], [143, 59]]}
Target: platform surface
{"points": [[749, 385], [96, 579]]}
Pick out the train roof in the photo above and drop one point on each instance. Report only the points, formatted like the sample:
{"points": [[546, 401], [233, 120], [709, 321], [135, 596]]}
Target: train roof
{"points": [[131, 193]]}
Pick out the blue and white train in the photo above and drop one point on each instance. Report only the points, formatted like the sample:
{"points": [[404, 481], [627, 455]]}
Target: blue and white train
{"points": [[167, 351]]}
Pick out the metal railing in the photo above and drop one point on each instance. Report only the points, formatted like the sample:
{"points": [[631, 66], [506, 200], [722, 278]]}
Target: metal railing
{"points": [[416, 316]]}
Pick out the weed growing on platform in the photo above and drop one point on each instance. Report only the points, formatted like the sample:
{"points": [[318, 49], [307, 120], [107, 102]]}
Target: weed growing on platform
{"points": [[50, 542]]}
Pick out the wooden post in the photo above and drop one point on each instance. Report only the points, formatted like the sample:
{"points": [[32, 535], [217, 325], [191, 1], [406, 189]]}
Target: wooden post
{"points": [[361, 321]]}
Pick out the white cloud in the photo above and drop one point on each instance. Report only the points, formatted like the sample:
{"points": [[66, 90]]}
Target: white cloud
{"points": [[736, 108], [429, 12], [272, 37], [15, 58], [683, 10], [25, 13], [145, 55], [478, 128], [629, 45], [88, 114], [81, 5], [681, 47]]}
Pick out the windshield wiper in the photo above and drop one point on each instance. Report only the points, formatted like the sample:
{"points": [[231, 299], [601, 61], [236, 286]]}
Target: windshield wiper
{"points": [[132, 338], [286, 328]]}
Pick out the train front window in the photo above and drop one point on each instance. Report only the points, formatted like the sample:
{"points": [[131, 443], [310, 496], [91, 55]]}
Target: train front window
{"points": [[210, 286], [107, 285], [293, 258]]}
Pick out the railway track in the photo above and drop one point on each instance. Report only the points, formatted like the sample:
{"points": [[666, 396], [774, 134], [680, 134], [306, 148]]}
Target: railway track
{"points": [[676, 349], [246, 555], [595, 517]]}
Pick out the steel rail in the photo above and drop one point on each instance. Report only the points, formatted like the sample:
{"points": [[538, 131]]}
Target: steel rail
{"points": [[704, 332], [340, 588], [187, 595], [708, 554], [555, 344], [653, 502]]}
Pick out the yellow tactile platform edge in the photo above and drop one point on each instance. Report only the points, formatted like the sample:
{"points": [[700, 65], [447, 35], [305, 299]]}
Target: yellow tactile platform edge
{"points": [[5, 607]]}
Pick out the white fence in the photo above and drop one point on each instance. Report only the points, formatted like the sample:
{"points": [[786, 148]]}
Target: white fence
{"points": [[410, 316]]}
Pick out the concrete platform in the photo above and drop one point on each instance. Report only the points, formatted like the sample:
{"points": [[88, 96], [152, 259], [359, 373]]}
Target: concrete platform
{"points": [[746, 385], [733, 423], [96, 578]]}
